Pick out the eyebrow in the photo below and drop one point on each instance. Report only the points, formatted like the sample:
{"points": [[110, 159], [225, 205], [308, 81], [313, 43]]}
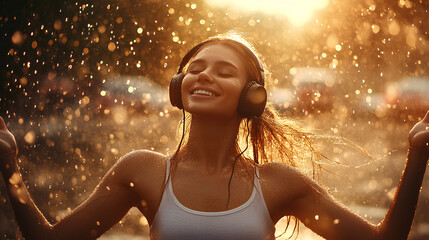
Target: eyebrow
{"points": [[221, 62]]}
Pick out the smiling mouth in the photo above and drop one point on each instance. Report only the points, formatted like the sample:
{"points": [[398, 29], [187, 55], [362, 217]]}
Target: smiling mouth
{"points": [[203, 92]]}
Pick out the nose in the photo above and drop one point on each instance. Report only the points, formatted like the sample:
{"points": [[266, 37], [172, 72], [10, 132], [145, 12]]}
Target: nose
{"points": [[204, 76]]}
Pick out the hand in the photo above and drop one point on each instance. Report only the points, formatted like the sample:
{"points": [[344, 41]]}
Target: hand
{"points": [[419, 135], [8, 148]]}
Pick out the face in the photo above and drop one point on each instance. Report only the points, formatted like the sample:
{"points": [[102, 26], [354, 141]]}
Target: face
{"points": [[213, 82]]}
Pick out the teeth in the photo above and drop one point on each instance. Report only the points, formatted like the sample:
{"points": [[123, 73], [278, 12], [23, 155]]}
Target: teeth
{"points": [[204, 92]]}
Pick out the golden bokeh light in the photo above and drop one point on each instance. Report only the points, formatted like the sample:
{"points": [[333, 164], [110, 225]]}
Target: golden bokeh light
{"points": [[297, 12]]}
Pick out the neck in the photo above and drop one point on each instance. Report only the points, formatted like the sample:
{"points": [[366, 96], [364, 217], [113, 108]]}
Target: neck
{"points": [[212, 143]]}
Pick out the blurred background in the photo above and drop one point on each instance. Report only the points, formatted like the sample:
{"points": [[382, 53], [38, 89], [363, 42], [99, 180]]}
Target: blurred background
{"points": [[83, 83]]}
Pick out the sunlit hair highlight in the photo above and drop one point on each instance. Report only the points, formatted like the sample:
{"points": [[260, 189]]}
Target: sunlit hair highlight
{"points": [[241, 45]]}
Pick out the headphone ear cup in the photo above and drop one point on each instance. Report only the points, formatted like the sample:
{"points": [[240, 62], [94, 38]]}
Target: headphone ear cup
{"points": [[252, 100], [176, 90]]}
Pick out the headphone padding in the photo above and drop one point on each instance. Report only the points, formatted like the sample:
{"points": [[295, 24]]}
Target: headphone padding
{"points": [[253, 99], [176, 90]]}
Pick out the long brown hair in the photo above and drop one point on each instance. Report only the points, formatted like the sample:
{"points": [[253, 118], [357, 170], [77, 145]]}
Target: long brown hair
{"points": [[273, 138]]}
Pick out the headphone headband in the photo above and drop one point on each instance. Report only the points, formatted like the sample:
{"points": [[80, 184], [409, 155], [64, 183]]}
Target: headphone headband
{"points": [[255, 60]]}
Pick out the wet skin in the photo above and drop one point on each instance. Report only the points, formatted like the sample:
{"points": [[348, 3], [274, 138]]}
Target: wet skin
{"points": [[204, 168]]}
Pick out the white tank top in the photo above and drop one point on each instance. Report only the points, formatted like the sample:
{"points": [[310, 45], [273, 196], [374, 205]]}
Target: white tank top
{"points": [[174, 221]]}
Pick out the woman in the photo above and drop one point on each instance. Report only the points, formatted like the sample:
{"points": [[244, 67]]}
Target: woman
{"points": [[207, 189]]}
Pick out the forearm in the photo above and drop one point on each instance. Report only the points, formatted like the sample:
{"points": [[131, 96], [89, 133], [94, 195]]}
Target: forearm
{"points": [[31, 221], [399, 218]]}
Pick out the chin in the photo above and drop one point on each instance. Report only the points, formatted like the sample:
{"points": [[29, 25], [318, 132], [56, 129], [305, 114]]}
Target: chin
{"points": [[216, 113]]}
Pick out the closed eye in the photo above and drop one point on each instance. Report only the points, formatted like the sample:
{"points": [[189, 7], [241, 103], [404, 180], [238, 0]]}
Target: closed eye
{"points": [[196, 67], [225, 75], [194, 71]]}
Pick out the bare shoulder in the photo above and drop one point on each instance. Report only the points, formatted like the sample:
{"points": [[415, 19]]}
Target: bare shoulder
{"points": [[141, 165], [282, 177], [142, 159], [282, 186], [277, 172]]}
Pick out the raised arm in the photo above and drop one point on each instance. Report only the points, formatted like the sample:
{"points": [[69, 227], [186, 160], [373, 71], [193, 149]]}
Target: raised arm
{"points": [[397, 222], [109, 202], [320, 212]]}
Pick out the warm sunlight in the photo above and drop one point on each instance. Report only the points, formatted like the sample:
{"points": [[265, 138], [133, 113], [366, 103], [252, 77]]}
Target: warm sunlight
{"points": [[86, 119], [297, 12]]}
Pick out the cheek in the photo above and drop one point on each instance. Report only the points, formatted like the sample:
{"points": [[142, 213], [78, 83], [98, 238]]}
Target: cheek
{"points": [[234, 89], [186, 82]]}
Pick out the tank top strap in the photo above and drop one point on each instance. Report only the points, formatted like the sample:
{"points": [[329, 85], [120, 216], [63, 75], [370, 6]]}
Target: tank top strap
{"points": [[256, 179], [257, 171], [256, 174], [167, 170]]}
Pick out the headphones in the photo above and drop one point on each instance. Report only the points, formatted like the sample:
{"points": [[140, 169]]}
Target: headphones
{"points": [[253, 97]]}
